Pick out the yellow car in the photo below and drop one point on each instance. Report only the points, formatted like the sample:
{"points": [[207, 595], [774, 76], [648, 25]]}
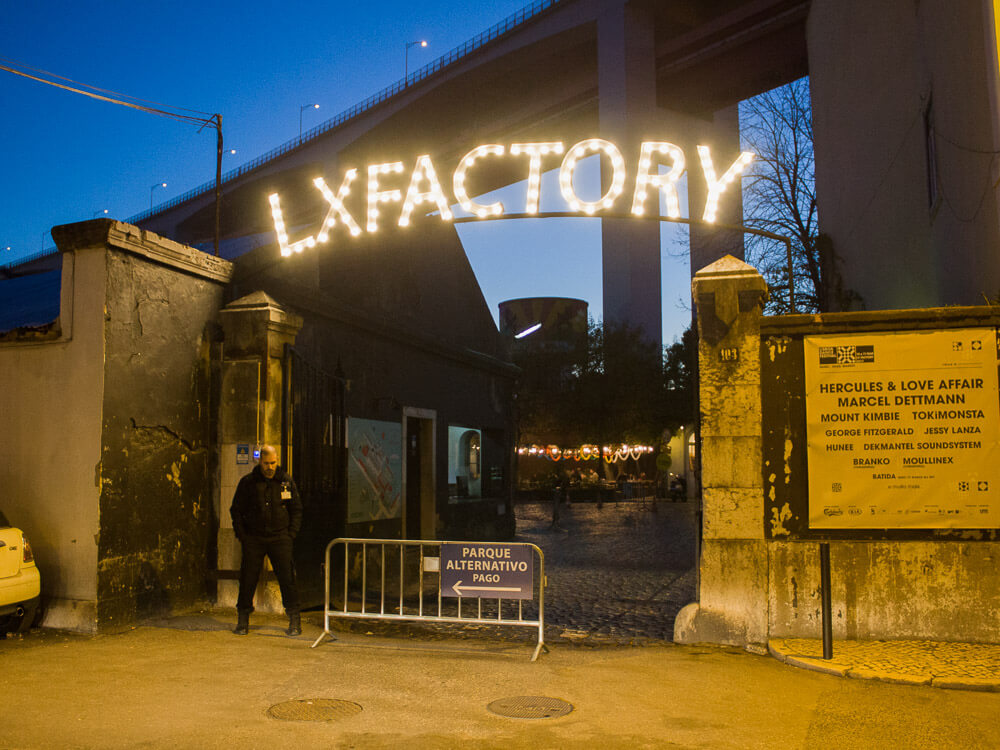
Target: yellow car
{"points": [[19, 581]]}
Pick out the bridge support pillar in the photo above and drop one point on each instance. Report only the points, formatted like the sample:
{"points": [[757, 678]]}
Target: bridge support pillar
{"points": [[629, 114], [626, 63], [722, 135]]}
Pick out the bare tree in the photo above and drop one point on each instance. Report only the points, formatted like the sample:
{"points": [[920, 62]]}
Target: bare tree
{"points": [[779, 196]]}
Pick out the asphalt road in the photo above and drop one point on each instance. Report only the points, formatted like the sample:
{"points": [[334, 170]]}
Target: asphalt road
{"points": [[188, 682], [617, 576]]}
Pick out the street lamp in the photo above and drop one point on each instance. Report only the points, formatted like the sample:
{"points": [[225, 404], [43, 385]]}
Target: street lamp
{"points": [[406, 57], [159, 184], [98, 213], [302, 109]]}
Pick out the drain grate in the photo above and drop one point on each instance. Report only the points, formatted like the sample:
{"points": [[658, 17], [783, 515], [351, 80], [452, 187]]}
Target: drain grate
{"points": [[530, 707], [313, 709]]}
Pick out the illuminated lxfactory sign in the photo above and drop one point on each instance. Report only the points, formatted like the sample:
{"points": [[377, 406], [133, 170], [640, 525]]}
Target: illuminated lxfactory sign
{"points": [[425, 187]]}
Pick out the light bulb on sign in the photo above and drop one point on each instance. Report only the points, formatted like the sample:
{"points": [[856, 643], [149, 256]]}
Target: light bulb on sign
{"points": [[458, 182], [423, 171], [376, 196], [717, 186], [282, 232], [665, 183], [337, 205], [579, 151], [535, 151]]}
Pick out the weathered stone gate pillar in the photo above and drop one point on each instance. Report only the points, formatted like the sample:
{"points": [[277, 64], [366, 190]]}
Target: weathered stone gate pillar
{"points": [[732, 607], [255, 330]]}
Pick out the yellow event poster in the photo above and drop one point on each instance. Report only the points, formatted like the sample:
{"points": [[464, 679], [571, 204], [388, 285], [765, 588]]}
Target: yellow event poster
{"points": [[902, 430]]}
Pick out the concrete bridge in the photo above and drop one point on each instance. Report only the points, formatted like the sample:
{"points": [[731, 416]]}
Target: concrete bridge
{"points": [[568, 70], [907, 215]]}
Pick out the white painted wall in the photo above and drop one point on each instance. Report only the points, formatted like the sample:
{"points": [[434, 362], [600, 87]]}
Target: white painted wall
{"points": [[51, 406]]}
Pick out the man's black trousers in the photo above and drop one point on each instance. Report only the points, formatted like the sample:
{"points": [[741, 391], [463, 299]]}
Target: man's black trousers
{"points": [[278, 550]]}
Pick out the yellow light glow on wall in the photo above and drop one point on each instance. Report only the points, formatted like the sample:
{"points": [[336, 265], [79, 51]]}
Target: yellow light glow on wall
{"points": [[337, 207], [579, 151], [423, 171], [717, 187], [458, 182], [648, 177], [376, 196], [535, 151]]}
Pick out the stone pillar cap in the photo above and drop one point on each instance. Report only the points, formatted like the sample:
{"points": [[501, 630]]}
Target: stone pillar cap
{"points": [[728, 266]]}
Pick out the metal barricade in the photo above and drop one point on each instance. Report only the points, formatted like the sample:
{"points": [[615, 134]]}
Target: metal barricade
{"points": [[390, 579]]}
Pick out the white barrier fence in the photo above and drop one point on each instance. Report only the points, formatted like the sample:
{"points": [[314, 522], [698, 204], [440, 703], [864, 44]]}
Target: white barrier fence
{"points": [[469, 583]]}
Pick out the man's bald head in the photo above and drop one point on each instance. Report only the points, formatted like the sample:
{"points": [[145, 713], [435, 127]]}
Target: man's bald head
{"points": [[268, 461]]}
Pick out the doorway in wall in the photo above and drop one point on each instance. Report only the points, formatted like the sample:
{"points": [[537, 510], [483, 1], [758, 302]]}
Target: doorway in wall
{"points": [[419, 481]]}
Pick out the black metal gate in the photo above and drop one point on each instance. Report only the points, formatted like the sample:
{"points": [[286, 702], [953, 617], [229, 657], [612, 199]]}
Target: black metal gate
{"points": [[313, 438]]}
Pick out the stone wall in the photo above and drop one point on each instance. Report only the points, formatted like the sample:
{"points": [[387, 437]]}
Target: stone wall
{"points": [[115, 415], [158, 457], [729, 295], [759, 567]]}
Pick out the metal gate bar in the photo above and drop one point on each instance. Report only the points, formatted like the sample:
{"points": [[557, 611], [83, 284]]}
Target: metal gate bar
{"points": [[415, 612]]}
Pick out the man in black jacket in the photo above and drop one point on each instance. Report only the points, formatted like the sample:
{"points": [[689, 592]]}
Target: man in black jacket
{"points": [[267, 514]]}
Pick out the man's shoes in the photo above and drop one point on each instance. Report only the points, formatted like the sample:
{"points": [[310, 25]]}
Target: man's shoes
{"points": [[242, 623], [294, 624]]}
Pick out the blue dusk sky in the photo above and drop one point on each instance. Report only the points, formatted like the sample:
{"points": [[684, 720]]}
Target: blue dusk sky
{"points": [[67, 158]]}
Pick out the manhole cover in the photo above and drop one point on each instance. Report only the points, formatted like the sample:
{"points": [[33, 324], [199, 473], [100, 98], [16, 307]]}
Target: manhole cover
{"points": [[530, 707], [313, 709]]}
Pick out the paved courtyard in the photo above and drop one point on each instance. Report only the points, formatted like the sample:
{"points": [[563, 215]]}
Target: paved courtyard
{"points": [[617, 573]]}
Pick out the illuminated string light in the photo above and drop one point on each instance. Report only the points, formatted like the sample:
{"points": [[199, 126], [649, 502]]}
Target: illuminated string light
{"points": [[649, 177], [717, 186], [423, 171], [579, 151], [535, 151], [586, 452], [376, 196], [282, 232], [337, 207], [458, 182]]}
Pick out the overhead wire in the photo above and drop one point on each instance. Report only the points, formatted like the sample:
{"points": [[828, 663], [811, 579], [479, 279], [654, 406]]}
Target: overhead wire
{"points": [[143, 105], [107, 95]]}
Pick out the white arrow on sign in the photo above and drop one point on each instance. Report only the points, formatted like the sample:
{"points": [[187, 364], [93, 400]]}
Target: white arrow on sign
{"points": [[458, 588]]}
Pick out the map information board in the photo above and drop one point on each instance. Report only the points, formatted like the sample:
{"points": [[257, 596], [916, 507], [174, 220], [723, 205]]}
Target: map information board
{"points": [[903, 430]]}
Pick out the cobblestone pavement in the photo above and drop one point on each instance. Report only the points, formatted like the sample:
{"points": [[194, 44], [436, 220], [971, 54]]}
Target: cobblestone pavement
{"points": [[616, 574], [970, 666]]}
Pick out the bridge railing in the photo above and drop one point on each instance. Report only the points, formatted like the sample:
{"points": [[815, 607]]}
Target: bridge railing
{"points": [[508, 24]]}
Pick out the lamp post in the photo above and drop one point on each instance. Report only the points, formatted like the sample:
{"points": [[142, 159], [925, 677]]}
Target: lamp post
{"points": [[406, 57], [151, 189], [302, 109], [98, 213]]}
